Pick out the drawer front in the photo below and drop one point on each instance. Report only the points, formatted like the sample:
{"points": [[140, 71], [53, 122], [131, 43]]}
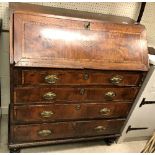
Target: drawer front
{"points": [[68, 43], [47, 94], [75, 77], [26, 133], [60, 112]]}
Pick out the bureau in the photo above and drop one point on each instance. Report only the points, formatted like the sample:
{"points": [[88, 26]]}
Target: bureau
{"points": [[74, 75]]}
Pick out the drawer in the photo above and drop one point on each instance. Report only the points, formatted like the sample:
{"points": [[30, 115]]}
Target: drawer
{"points": [[73, 94], [37, 132], [61, 112], [75, 77]]}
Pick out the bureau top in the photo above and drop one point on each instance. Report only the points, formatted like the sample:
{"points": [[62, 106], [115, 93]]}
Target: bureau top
{"points": [[31, 8], [60, 38]]}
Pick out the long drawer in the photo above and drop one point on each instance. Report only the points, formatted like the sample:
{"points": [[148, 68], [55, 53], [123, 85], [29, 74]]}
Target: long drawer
{"points": [[37, 132], [61, 112], [73, 94], [75, 77]]}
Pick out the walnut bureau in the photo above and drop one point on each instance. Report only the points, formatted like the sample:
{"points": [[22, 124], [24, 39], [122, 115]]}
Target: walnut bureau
{"points": [[74, 75]]}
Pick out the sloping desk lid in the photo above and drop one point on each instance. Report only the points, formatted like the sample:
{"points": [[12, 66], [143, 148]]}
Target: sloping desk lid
{"points": [[42, 38]]}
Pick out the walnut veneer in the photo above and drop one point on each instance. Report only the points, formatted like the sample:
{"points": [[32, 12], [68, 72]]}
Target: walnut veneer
{"points": [[74, 75]]}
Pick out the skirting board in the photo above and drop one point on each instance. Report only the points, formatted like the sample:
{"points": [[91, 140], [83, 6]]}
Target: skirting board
{"points": [[130, 139]]}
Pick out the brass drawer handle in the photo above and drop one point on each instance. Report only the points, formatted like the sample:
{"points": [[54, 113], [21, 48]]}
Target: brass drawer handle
{"points": [[110, 95], [87, 25], [51, 79], [44, 133], [46, 114], [100, 129], [116, 79], [49, 96], [105, 111]]}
